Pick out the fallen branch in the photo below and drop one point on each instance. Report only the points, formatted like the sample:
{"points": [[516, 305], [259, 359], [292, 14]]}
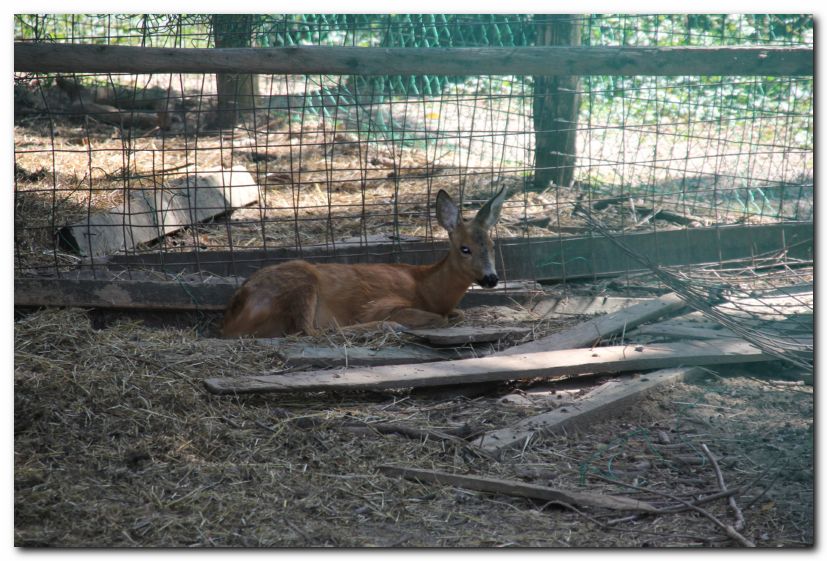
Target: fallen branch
{"points": [[739, 516], [415, 433], [519, 489], [113, 116], [650, 212], [729, 530]]}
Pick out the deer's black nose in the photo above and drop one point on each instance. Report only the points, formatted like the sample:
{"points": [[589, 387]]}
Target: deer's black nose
{"points": [[488, 281]]}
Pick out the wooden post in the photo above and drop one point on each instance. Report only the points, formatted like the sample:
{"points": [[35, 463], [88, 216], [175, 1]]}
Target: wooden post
{"points": [[237, 93], [556, 106]]}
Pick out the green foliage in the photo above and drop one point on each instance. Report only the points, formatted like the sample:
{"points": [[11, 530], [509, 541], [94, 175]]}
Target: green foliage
{"points": [[645, 99]]}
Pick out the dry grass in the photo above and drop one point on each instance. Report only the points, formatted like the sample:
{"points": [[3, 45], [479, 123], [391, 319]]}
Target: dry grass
{"points": [[117, 443]]}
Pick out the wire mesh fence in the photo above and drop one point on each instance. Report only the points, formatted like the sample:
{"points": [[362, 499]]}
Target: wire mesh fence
{"points": [[340, 163]]}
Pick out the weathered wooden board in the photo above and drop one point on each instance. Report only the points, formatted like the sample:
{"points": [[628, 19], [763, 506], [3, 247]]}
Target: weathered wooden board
{"points": [[588, 332], [461, 335], [457, 61], [583, 305], [150, 214], [173, 295], [137, 295], [546, 259], [296, 354], [556, 364], [681, 331], [519, 489], [602, 402]]}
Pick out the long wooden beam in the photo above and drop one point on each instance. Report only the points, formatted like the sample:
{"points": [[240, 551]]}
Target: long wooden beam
{"points": [[548, 258], [122, 295], [180, 296], [461, 61], [551, 364]]}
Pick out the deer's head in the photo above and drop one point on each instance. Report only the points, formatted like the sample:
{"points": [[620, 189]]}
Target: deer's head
{"points": [[472, 250]]}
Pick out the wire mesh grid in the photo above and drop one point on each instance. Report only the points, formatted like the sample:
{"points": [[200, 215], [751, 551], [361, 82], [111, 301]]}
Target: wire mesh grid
{"points": [[344, 162]]}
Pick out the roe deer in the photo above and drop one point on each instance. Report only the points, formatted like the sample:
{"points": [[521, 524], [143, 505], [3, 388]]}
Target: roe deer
{"points": [[299, 297]]}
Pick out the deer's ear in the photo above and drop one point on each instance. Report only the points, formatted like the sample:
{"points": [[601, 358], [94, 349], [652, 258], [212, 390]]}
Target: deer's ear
{"points": [[489, 214], [447, 212]]}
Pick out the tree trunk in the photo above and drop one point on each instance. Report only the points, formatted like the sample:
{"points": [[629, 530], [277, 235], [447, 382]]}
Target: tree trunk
{"points": [[237, 93], [556, 107]]}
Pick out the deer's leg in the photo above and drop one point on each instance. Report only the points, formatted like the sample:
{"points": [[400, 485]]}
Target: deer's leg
{"points": [[415, 318], [396, 315], [455, 315], [372, 327]]}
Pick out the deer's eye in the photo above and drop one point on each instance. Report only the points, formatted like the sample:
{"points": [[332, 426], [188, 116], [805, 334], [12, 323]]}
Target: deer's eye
{"points": [[465, 249]]}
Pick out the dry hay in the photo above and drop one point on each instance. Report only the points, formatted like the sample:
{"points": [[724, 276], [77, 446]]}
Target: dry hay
{"points": [[117, 443]]}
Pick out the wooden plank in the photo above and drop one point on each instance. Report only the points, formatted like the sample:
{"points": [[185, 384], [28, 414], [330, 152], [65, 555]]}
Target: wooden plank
{"points": [[587, 333], [681, 331], [552, 364], [462, 335], [547, 259], [296, 354], [137, 295], [152, 213], [175, 295], [519, 489], [583, 305], [602, 402], [537, 61]]}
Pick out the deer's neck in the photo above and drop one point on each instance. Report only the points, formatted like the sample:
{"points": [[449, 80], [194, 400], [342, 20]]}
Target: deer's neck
{"points": [[442, 285]]}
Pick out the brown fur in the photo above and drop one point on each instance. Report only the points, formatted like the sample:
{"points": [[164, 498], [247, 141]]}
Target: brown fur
{"points": [[300, 297]]}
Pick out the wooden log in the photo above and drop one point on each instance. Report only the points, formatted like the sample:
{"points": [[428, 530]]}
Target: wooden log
{"points": [[587, 333], [547, 259], [112, 115], [520, 489], [462, 335], [120, 96], [552, 364], [152, 213], [461, 61], [600, 403]]}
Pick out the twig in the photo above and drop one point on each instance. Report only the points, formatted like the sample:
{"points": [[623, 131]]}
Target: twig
{"points": [[729, 530], [766, 489], [739, 516], [411, 432]]}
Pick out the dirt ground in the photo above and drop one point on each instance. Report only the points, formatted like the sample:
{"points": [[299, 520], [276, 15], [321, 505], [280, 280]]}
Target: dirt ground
{"points": [[118, 444]]}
